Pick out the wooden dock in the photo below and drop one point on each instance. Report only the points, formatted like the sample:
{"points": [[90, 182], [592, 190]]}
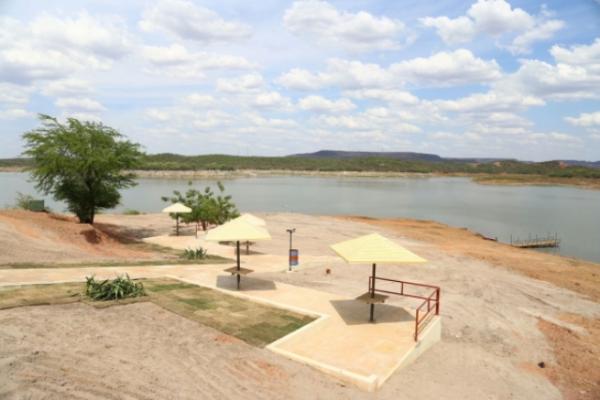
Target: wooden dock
{"points": [[536, 242]]}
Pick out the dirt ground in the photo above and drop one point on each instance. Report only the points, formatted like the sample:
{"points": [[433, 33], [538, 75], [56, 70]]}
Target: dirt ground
{"points": [[140, 351], [505, 312], [30, 237]]}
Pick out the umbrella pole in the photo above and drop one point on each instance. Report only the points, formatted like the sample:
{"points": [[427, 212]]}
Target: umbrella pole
{"points": [[372, 290], [176, 224], [238, 264]]}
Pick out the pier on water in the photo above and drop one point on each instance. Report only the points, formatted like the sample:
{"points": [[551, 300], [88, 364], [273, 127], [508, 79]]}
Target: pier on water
{"points": [[536, 242]]}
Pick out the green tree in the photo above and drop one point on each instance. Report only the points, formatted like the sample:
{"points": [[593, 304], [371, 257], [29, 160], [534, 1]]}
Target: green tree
{"points": [[206, 207], [81, 163]]}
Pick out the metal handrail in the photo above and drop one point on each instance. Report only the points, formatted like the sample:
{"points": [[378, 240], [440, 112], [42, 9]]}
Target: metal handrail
{"points": [[420, 318]]}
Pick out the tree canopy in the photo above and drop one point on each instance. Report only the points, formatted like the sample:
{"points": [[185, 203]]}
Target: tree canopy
{"points": [[82, 163], [206, 207]]}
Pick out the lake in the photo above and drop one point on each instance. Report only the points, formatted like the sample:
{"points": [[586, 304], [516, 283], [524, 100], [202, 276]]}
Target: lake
{"points": [[497, 211]]}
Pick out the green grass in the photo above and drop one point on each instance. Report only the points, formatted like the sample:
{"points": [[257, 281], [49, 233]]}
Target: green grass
{"points": [[256, 324], [123, 263]]}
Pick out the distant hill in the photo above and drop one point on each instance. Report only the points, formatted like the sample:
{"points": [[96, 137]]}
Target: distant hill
{"points": [[405, 155], [588, 164], [409, 156]]}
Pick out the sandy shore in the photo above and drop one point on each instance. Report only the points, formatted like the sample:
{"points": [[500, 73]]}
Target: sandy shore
{"points": [[504, 311]]}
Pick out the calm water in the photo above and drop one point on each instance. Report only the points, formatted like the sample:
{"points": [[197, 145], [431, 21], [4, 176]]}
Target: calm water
{"points": [[497, 211]]}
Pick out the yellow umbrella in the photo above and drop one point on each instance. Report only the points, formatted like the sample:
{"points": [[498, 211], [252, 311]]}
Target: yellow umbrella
{"points": [[374, 249], [236, 231], [177, 208], [251, 219]]}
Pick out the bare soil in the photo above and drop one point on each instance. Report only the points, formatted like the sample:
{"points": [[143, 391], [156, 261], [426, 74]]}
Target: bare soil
{"points": [[32, 237], [140, 351]]}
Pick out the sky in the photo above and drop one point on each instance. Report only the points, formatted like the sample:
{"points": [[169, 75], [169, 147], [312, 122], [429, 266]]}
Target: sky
{"points": [[481, 78]]}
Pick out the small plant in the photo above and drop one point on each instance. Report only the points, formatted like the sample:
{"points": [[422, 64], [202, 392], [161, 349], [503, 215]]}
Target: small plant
{"points": [[29, 203], [119, 288], [131, 212], [195, 254]]}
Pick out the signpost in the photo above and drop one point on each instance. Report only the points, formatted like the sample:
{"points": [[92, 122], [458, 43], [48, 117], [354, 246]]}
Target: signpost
{"points": [[293, 259]]}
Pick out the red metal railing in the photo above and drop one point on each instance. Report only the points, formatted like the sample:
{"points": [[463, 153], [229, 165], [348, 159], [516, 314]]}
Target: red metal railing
{"points": [[431, 303]]}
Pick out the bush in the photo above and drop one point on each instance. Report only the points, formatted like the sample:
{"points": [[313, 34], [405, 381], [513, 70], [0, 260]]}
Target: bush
{"points": [[119, 288], [29, 203], [195, 254], [132, 212]]}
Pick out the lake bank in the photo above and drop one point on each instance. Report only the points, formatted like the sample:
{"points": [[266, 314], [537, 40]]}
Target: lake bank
{"points": [[503, 212], [485, 179]]}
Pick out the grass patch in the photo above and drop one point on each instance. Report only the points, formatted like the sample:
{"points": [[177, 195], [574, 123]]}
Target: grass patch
{"points": [[123, 263], [256, 324]]}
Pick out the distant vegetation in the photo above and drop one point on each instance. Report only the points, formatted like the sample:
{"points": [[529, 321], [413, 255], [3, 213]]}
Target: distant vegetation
{"points": [[361, 164], [175, 162]]}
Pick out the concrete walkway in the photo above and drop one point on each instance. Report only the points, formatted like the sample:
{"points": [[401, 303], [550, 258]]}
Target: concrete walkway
{"points": [[340, 342]]}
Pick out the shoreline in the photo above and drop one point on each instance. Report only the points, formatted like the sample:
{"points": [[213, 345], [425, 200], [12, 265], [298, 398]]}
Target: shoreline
{"points": [[482, 179]]}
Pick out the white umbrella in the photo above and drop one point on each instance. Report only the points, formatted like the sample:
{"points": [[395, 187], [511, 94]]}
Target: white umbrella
{"points": [[177, 209], [236, 231]]}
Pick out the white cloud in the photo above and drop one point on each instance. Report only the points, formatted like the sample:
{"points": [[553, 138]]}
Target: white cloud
{"points": [[496, 18], [546, 30], [200, 100], [359, 31], [187, 20], [242, 84], [13, 94], [50, 48], [489, 102], [178, 62], [447, 69], [273, 100], [322, 105], [67, 87], [580, 55], [388, 95], [452, 31], [338, 72], [103, 36], [79, 104], [14, 113], [376, 119], [440, 69], [585, 119]]}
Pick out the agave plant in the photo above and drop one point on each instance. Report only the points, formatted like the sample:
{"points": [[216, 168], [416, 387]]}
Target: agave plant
{"points": [[118, 288]]}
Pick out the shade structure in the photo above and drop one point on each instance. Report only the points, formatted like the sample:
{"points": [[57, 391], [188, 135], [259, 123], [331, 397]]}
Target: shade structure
{"points": [[374, 249], [251, 219], [236, 231], [177, 208]]}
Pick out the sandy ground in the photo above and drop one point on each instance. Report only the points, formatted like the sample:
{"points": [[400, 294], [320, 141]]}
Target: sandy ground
{"points": [[140, 351], [29, 237], [501, 318]]}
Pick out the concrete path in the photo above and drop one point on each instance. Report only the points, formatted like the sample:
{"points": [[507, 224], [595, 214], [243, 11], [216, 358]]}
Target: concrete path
{"points": [[340, 342]]}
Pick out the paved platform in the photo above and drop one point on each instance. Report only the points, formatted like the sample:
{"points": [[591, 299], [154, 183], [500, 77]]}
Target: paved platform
{"points": [[340, 342]]}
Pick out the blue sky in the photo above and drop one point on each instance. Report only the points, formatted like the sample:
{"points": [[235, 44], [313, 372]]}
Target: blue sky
{"points": [[487, 78]]}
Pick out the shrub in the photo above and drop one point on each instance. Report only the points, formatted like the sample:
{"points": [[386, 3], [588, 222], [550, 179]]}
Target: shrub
{"points": [[119, 288], [24, 201], [132, 212], [195, 254]]}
